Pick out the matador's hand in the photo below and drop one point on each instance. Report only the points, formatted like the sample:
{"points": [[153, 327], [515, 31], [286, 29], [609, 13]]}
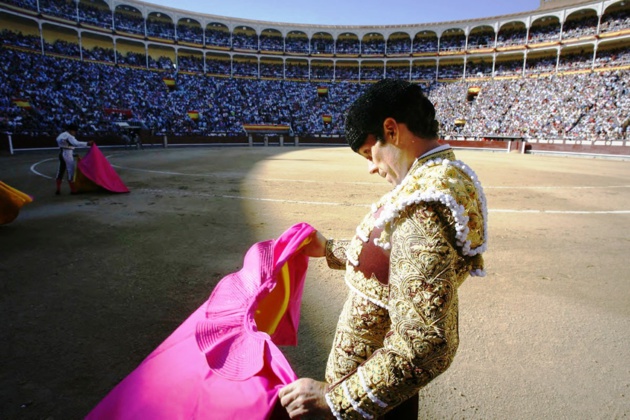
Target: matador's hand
{"points": [[316, 247], [305, 398]]}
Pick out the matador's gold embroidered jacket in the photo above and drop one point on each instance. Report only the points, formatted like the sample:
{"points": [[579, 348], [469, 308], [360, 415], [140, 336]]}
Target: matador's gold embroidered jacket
{"points": [[398, 328]]}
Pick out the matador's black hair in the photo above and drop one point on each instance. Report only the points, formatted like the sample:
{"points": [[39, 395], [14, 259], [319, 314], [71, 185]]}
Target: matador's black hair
{"points": [[403, 101]]}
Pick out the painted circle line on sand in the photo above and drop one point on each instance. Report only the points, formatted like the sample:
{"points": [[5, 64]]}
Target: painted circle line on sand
{"points": [[33, 169], [327, 203]]}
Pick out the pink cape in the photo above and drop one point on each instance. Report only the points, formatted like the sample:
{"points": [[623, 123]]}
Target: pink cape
{"points": [[97, 169], [218, 364]]}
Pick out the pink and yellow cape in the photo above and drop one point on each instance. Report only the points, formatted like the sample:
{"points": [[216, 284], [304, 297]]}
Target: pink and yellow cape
{"points": [[223, 361], [11, 201]]}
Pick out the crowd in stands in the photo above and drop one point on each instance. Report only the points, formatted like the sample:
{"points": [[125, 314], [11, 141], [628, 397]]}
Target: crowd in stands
{"points": [[132, 59], [243, 41], [160, 29], [24, 4], [272, 70], [269, 42], [217, 37], [613, 57], [189, 63], [452, 42], [296, 70], [62, 91], [95, 15], [425, 45], [220, 64], [65, 82], [350, 46], [190, 33], [128, 19], [245, 68], [482, 40], [576, 61], [594, 105], [30, 42], [450, 71], [512, 36], [61, 47], [423, 73], [218, 67], [297, 45], [321, 46], [581, 106], [398, 46], [541, 65], [479, 69], [549, 33], [98, 54], [62, 9], [580, 27], [373, 45], [615, 21], [129, 22]]}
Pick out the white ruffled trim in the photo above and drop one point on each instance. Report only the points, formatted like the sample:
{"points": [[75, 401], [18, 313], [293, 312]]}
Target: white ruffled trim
{"points": [[385, 245], [482, 199], [478, 273], [332, 407], [351, 260], [392, 211], [362, 236], [368, 391], [366, 297], [355, 405]]}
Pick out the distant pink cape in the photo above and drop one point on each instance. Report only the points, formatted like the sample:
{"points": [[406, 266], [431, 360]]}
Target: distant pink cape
{"points": [[217, 364], [97, 169]]}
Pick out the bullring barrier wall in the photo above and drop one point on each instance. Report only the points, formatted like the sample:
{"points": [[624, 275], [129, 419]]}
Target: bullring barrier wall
{"points": [[16, 143]]}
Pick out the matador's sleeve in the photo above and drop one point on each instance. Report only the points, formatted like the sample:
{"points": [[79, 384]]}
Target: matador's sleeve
{"points": [[422, 340], [336, 253], [73, 141]]}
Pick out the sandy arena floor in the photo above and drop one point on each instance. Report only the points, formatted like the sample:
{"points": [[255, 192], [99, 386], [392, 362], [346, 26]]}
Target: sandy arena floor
{"points": [[90, 284]]}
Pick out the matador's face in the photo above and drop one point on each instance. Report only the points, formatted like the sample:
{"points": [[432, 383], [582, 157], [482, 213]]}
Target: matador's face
{"points": [[385, 159]]}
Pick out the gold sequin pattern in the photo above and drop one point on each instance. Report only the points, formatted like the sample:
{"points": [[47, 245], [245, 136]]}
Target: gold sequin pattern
{"points": [[405, 334], [336, 253]]}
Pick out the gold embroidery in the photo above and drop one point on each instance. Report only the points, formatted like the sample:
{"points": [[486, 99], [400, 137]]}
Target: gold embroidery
{"points": [[336, 253], [371, 288], [405, 334]]}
